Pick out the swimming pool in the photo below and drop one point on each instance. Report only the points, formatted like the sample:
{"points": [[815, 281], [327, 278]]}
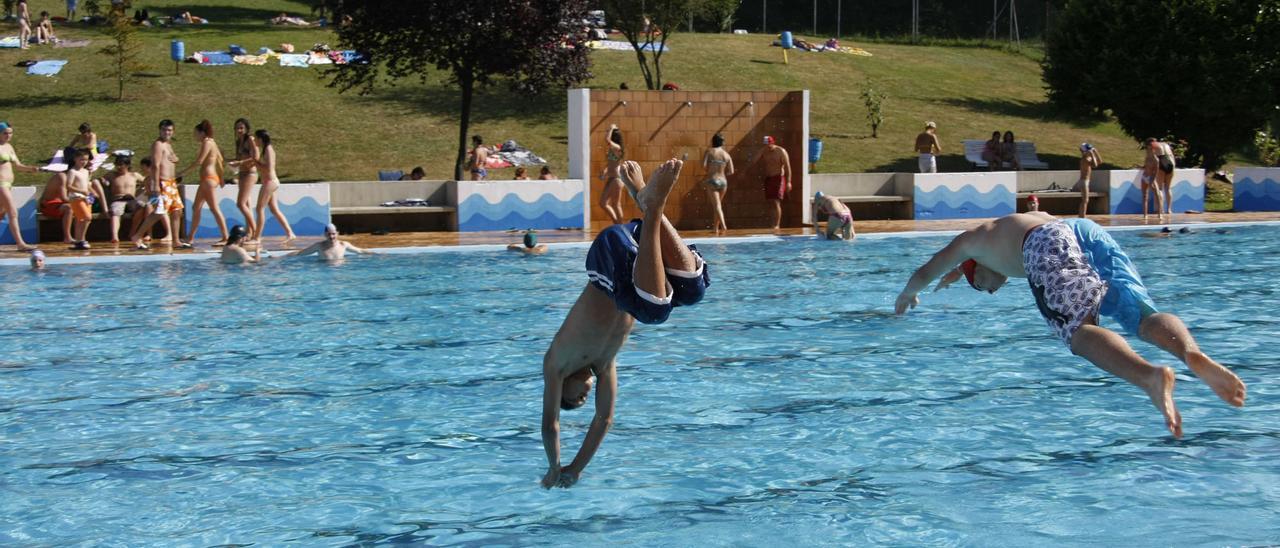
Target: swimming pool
{"points": [[397, 399]]}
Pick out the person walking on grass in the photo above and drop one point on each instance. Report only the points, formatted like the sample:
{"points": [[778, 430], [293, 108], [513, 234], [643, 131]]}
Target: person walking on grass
{"points": [[9, 164], [209, 160], [1077, 273], [928, 147], [247, 176]]}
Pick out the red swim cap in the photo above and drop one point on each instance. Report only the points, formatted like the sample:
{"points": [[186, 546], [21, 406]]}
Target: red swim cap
{"points": [[968, 267], [1033, 199], [768, 139]]}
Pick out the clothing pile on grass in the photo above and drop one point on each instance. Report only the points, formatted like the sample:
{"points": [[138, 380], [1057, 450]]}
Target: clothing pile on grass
{"points": [[512, 154], [830, 45], [320, 54]]}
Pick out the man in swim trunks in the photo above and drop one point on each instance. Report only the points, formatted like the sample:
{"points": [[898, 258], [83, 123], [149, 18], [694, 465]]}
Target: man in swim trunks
{"points": [[166, 200], [479, 155], [636, 271], [777, 176], [839, 218], [80, 196], [330, 248], [1077, 272], [54, 204], [928, 146], [530, 246], [1089, 160], [122, 182]]}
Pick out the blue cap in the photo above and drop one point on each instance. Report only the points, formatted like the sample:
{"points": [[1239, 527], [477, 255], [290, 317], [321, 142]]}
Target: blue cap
{"points": [[4, 126], [818, 195]]}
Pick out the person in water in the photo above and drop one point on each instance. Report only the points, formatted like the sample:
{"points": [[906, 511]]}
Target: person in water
{"points": [[530, 245], [330, 248], [234, 252], [636, 271], [839, 218], [1078, 272]]}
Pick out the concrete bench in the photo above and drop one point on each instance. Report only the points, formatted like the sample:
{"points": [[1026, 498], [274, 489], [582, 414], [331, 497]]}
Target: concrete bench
{"points": [[380, 210], [876, 206], [1027, 155]]}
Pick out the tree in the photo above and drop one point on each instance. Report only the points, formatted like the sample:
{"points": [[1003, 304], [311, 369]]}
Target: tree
{"points": [[1207, 76], [874, 101], [124, 49], [532, 46], [647, 26], [719, 13]]}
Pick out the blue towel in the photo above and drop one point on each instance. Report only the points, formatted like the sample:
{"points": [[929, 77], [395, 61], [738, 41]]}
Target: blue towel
{"points": [[294, 60], [351, 56], [46, 68], [236, 50], [216, 58]]}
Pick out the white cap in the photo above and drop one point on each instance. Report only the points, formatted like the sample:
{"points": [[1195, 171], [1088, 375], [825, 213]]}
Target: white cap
{"points": [[931, 124]]}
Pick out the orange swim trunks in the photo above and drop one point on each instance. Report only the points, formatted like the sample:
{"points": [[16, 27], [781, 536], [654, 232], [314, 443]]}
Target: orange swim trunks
{"points": [[170, 199], [81, 209]]}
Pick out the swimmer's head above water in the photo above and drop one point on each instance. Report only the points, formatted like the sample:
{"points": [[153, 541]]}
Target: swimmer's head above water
{"points": [[236, 234], [982, 278], [576, 388], [530, 239], [37, 260], [330, 231]]}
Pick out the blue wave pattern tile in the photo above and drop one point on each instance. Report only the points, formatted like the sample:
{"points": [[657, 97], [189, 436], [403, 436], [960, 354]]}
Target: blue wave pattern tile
{"points": [[28, 224], [1126, 197], [967, 202], [307, 217], [1261, 194], [475, 213]]}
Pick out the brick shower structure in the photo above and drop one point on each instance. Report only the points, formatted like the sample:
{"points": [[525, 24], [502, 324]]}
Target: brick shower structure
{"points": [[659, 125]]}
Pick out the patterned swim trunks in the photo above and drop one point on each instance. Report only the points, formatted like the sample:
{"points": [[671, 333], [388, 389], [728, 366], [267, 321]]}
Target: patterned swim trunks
{"points": [[1067, 289]]}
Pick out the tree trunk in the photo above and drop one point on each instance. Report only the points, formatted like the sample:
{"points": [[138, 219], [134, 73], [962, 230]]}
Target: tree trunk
{"points": [[467, 83], [644, 69]]}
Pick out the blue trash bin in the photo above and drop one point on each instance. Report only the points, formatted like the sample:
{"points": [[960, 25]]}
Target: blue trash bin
{"points": [[787, 43], [815, 150], [177, 51]]}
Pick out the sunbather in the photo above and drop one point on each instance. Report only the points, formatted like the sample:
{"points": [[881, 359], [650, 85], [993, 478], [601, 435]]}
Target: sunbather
{"points": [[186, 18], [286, 19], [44, 30], [85, 139]]}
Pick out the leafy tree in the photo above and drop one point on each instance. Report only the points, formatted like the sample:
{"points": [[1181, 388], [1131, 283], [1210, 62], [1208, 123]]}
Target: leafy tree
{"points": [[123, 51], [874, 99], [1208, 75], [720, 14], [647, 26], [532, 46]]}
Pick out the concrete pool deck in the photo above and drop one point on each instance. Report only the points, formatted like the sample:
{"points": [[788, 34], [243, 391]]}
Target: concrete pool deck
{"points": [[417, 240]]}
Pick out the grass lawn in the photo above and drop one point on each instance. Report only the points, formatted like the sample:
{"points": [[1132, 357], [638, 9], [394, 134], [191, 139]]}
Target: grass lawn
{"points": [[324, 135]]}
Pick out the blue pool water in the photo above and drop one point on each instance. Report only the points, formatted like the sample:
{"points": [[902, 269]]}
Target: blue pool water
{"points": [[396, 399]]}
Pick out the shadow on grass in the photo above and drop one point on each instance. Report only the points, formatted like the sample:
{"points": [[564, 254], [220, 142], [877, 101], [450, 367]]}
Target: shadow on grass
{"points": [[8, 102], [1013, 108], [489, 104], [763, 62]]}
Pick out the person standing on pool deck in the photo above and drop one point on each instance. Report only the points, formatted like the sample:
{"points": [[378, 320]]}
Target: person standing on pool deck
{"points": [[777, 176], [209, 161], [1164, 172], [839, 218], [929, 148], [1089, 160], [1077, 272], [479, 157], [165, 198], [636, 271], [267, 163], [718, 165], [9, 164]]}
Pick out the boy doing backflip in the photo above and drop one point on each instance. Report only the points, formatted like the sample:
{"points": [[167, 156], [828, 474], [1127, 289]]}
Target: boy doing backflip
{"points": [[636, 271]]}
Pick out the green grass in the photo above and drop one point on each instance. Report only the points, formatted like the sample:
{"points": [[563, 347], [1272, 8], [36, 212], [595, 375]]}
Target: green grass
{"points": [[968, 89]]}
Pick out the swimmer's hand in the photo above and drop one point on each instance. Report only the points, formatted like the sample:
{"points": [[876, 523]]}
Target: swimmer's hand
{"points": [[552, 478], [905, 301], [948, 279], [567, 479]]}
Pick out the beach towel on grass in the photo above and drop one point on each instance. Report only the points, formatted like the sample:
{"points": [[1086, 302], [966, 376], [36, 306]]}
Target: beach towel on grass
{"points": [[46, 68], [318, 58], [213, 58], [294, 60], [251, 59], [618, 45], [10, 42]]}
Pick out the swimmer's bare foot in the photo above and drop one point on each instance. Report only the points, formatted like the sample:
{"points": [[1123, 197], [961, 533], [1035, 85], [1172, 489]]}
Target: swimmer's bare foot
{"points": [[1162, 396], [654, 194], [1224, 383]]}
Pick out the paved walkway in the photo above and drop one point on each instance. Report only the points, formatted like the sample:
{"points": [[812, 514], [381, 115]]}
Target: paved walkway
{"points": [[432, 239]]}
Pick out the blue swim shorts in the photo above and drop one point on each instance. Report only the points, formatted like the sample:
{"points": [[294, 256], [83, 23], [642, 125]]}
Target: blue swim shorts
{"points": [[1126, 300], [610, 264]]}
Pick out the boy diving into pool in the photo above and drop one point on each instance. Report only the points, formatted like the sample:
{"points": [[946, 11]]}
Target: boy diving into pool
{"points": [[635, 271], [1076, 272]]}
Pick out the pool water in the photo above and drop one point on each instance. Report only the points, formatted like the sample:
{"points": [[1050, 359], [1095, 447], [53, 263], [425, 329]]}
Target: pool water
{"points": [[396, 399]]}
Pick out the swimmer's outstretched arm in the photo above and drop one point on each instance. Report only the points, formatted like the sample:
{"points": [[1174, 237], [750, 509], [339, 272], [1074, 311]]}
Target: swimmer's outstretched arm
{"points": [[310, 250], [357, 250], [551, 388], [606, 397], [942, 262]]}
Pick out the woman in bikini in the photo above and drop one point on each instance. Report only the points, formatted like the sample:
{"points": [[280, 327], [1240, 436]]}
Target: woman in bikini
{"points": [[209, 160], [1164, 173], [719, 166], [267, 195], [9, 163], [24, 24], [246, 149], [611, 197]]}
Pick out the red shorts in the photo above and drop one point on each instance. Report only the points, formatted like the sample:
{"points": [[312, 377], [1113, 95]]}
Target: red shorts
{"points": [[52, 208], [774, 187]]}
